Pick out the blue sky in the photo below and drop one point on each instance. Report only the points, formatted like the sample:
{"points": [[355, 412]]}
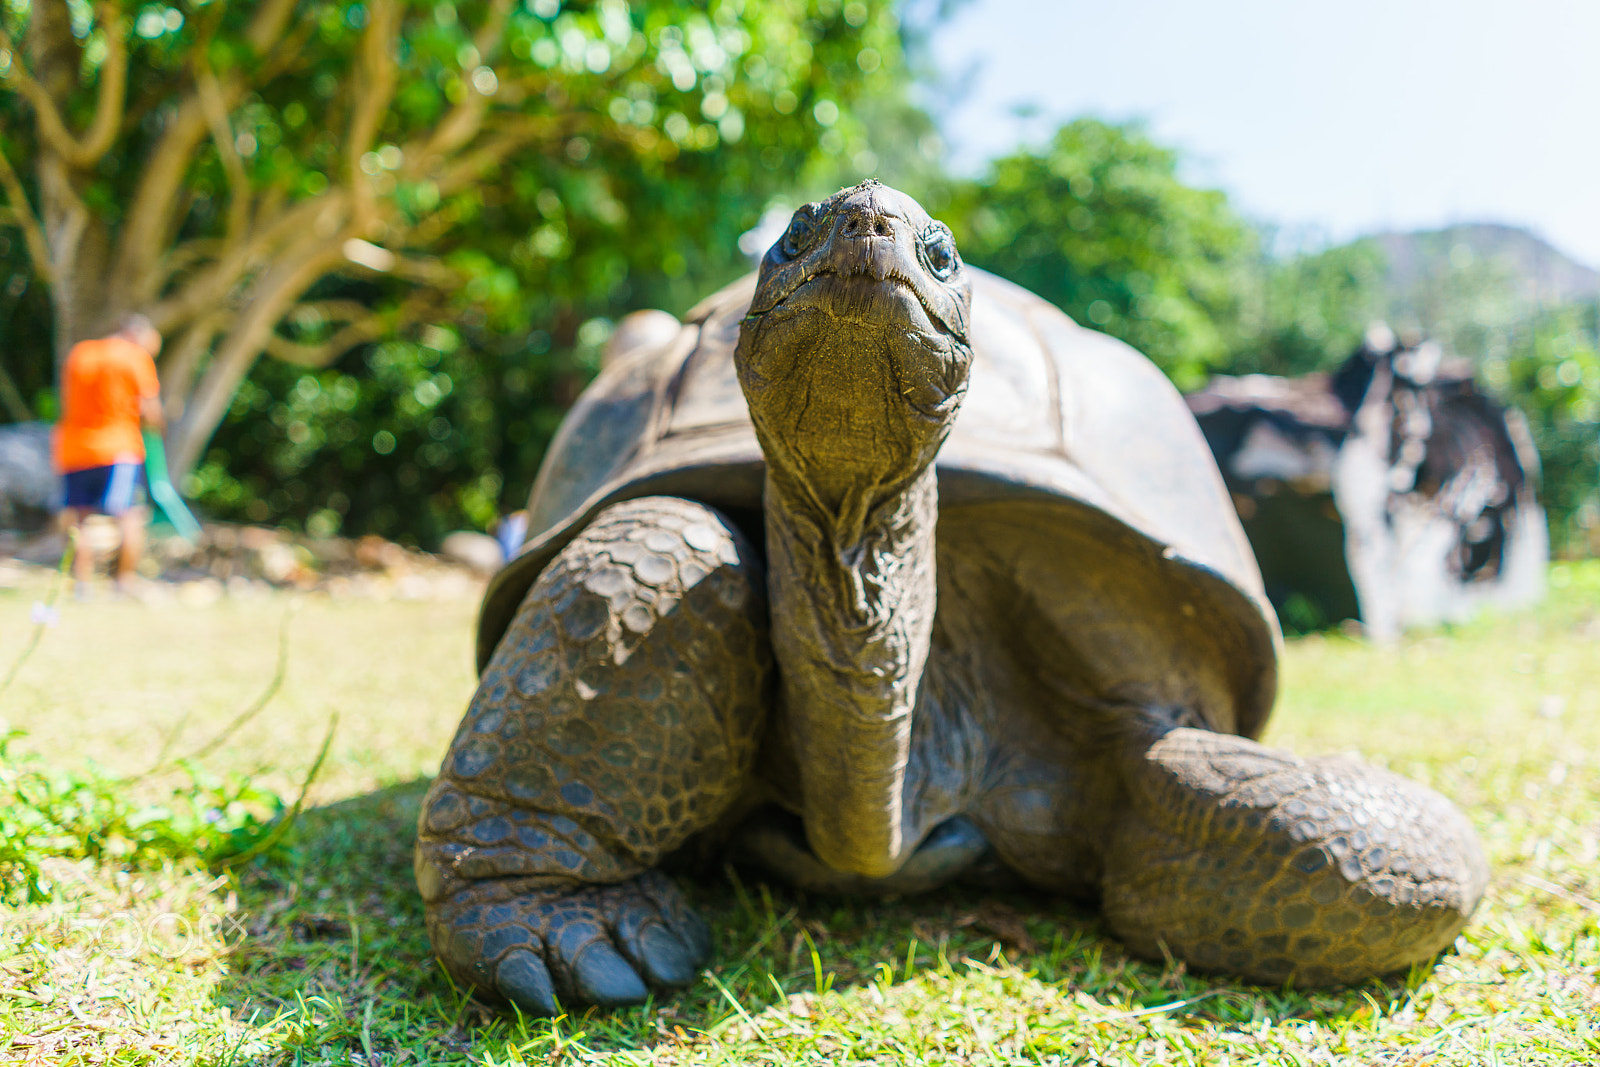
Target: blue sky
{"points": [[1329, 120]]}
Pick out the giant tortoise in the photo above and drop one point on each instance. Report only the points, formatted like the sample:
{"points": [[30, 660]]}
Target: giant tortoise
{"points": [[883, 573]]}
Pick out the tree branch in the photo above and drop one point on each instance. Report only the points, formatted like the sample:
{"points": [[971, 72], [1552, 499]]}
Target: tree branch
{"points": [[286, 53], [365, 325], [200, 249], [374, 87], [150, 212], [425, 270], [266, 28], [112, 88], [369, 328], [489, 36], [290, 276], [468, 167], [454, 130], [146, 222], [216, 112], [185, 255], [11, 397], [46, 117], [54, 53], [32, 232], [464, 120], [322, 214], [181, 358], [331, 310], [85, 152]]}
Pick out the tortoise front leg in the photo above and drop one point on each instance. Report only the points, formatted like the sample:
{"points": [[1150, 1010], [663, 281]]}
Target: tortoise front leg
{"points": [[1241, 858], [619, 715]]}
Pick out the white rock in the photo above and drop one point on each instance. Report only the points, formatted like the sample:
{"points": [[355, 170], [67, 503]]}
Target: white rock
{"points": [[472, 549]]}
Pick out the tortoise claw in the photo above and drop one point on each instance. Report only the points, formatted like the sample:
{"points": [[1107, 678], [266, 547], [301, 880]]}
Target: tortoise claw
{"points": [[667, 961], [606, 945], [523, 979], [601, 976], [664, 956]]}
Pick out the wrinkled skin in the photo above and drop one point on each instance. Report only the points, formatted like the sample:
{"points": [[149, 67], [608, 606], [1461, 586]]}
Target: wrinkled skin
{"points": [[862, 706]]}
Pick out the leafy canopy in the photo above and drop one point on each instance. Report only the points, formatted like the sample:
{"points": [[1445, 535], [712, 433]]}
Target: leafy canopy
{"points": [[1099, 222], [481, 184]]}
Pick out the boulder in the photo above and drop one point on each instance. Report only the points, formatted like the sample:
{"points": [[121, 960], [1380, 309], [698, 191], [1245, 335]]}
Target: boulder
{"points": [[29, 488], [474, 550]]}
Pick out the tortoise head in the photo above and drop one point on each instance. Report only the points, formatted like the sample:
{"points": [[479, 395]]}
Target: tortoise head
{"points": [[854, 355]]}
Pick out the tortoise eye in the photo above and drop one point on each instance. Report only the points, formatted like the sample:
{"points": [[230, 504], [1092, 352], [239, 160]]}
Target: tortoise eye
{"points": [[798, 236], [939, 250]]}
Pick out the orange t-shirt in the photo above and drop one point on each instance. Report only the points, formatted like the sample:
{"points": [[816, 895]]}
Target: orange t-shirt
{"points": [[101, 386]]}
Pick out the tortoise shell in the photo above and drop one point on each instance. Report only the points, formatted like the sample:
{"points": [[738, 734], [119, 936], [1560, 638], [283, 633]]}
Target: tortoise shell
{"points": [[1141, 562]]}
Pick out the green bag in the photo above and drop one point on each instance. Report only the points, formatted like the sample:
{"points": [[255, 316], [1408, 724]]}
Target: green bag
{"points": [[162, 492]]}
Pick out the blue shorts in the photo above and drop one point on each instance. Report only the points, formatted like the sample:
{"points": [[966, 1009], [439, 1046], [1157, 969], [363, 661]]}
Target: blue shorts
{"points": [[109, 490]]}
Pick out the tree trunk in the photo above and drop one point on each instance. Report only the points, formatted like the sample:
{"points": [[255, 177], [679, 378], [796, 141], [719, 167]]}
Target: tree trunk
{"points": [[72, 235], [218, 293]]}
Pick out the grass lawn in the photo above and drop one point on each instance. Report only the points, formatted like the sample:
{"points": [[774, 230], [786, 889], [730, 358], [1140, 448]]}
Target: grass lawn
{"points": [[316, 954]]}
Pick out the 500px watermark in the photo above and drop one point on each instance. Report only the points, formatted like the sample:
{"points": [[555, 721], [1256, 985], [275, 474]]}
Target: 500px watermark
{"points": [[127, 935]]}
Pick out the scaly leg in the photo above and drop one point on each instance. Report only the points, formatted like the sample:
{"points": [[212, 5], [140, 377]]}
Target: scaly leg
{"points": [[619, 715], [1240, 858]]}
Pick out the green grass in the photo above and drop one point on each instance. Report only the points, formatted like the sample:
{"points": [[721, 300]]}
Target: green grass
{"points": [[315, 953]]}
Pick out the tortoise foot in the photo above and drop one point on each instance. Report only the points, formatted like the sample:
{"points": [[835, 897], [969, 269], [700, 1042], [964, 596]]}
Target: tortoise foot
{"points": [[607, 945], [1235, 857], [619, 716]]}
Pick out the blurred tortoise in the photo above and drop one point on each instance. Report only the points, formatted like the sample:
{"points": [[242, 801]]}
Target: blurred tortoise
{"points": [[780, 598]]}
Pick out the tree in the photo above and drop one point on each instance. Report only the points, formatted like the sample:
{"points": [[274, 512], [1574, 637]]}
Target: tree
{"points": [[300, 177], [1307, 312], [1551, 372], [1099, 223], [26, 365]]}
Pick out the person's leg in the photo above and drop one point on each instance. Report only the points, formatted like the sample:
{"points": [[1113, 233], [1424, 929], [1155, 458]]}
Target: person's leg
{"points": [[132, 523], [71, 525], [121, 502], [83, 493]]}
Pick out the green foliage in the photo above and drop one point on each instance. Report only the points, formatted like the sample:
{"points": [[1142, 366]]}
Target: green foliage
{"points": [[24, 343], [1099, 223], [300, 178], [400, 438], [47, 812], [1307, 312], [697, 116], [1552, 371], [1471, 304], [1479, 308], [690, 125], [620, 151]]}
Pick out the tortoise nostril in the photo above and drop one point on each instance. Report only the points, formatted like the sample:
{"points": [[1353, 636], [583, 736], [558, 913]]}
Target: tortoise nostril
{"points": [[864, 222]]}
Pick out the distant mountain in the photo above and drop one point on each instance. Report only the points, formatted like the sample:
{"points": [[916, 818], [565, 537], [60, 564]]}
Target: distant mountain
{"points": [[1545, 275]]}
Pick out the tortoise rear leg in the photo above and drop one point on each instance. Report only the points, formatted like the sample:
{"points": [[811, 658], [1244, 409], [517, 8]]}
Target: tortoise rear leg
{"points": [[619, 715], [1241, 858]]}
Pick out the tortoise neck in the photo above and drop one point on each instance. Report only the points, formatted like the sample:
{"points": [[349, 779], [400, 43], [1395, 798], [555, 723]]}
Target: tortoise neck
{"points": [[853, 598]]}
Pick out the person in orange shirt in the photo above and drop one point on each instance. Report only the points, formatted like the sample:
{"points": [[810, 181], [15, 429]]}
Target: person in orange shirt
{"points": [[109, 393]]}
